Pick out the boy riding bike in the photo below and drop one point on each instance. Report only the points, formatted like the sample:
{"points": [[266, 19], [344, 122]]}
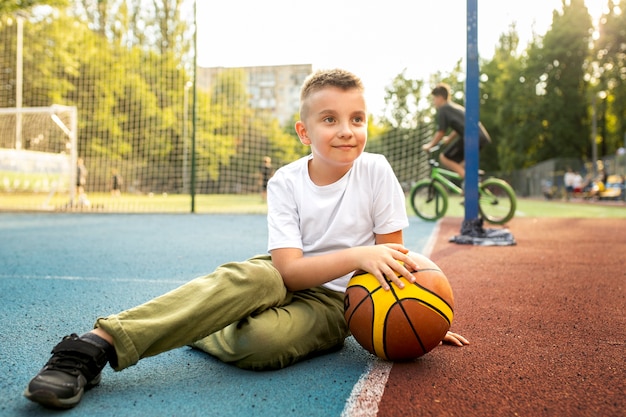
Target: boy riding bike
{"points": [[452, 116]]}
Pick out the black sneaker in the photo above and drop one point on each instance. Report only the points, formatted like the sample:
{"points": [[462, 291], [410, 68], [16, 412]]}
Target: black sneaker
{"points": [[75, 365]]}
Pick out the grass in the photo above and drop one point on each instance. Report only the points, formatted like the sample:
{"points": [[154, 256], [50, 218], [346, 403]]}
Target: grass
{"points": [[252, 204], [533, 207], [138, 203]]}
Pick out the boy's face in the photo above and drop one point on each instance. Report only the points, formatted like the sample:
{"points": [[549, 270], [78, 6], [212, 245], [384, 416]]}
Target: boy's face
{"points": [[438, 101], [334, 124]]}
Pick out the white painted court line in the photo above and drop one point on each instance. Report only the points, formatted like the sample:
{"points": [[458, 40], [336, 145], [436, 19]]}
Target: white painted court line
{"points": [[430, 244], [369, 389], [73, 278]]}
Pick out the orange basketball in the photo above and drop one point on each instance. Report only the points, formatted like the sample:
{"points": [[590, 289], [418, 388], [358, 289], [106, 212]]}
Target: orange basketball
{"points": [[400, 324]]}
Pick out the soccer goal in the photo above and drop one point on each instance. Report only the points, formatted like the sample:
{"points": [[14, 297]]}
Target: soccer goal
{"points": [[38, 153]]}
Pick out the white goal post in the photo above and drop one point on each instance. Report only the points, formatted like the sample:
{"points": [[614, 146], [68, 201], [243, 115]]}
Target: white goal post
{"points": [[38, 150]]}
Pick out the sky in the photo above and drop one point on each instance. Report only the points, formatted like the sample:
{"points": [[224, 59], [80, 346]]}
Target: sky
{"points": [[376, 40]]}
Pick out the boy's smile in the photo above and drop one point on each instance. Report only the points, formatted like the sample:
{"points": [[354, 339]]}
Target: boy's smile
{"points": [[335, 126]]}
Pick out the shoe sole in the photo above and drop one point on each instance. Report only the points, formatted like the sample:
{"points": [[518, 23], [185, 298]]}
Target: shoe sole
{"points": [[50, 400]]}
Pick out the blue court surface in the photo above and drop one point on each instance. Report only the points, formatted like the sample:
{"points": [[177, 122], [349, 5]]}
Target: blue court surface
{"points": [[59, 272]]}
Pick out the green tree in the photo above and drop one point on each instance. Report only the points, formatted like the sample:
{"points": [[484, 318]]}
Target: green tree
{"points": [[558, 70], [403, 129], [608, 75], [498, 76], [161, 27], [509, 108], [138, 82], [233, 137], [213, 148], [402, 98], [8, 6]]}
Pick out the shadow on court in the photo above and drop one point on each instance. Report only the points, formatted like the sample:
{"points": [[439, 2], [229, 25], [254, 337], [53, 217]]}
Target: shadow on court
{"points": [[61, 271]]}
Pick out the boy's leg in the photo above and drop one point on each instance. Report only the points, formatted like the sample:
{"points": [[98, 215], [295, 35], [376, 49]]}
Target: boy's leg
{"points": [[453, 157], [180, 317], [452, 165], [310, 322], [194, 310]]}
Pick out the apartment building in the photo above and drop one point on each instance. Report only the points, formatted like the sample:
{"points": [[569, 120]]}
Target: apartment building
{"points": [[273, 88]]}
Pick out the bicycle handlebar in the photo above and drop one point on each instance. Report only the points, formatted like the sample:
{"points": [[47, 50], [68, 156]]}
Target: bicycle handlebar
{"points": [[434, 149]]}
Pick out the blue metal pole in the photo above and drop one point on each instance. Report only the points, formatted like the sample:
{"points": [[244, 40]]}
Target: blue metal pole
{"points": [[472, 105]]}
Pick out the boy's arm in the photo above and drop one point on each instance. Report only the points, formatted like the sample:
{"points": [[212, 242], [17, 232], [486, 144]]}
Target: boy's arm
{"points": [[441, 134], [393, 237], [299, 272], [450, 137]]}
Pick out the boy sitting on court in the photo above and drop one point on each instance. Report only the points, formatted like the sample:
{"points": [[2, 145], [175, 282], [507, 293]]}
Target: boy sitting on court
{"points": [[333, 212]]}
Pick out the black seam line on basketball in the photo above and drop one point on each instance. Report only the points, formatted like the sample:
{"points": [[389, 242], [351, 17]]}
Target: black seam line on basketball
{"points": [[393, 291], [435, 294], [369, 295], [441, 313], [398, 302], [408, 319]]}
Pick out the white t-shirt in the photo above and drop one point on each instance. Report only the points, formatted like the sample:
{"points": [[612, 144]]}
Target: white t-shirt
{"points": [[368, 200], [569, 179]]}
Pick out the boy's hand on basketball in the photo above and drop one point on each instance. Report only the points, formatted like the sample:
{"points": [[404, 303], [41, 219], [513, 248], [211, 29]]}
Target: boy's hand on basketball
{"points": [[387, 260], [455, 339]]}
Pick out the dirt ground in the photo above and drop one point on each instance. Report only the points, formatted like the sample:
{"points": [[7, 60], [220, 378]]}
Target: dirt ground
{"points": [[546, 322]]}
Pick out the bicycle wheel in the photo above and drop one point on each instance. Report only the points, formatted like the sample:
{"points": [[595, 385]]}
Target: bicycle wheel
{"points": [[497, 201], [429, 200]]}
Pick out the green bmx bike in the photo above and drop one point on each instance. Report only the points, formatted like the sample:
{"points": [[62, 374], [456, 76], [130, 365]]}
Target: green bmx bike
{"points": [[429, 196]]}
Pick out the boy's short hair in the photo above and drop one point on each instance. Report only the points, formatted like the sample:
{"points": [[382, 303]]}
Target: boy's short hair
{"points": [[321, 79], [441, 90]]}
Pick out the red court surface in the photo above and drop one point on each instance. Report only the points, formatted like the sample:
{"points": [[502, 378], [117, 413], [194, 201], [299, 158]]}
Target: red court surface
{"points": [[546, 322]]}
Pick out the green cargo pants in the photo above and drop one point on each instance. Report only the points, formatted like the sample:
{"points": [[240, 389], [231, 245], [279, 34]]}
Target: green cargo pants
{"points": [[241, 313]]}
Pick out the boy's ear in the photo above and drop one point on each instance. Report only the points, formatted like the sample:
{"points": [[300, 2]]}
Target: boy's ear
{"points": [[302, 133]]}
